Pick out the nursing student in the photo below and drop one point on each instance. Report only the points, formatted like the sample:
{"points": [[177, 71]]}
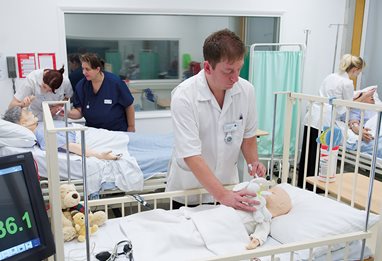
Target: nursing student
{"points": [[42, 85], [214, 118], [340, 86], [102, 98]]}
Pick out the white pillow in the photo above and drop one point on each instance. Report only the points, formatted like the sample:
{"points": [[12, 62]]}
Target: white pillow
{"points": [[15, 135], [104, 140], [313, 217]]}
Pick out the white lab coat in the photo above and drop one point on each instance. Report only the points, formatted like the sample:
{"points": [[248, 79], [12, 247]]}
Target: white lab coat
{"points": [[199, 122], [334, 85], [32, 86]]}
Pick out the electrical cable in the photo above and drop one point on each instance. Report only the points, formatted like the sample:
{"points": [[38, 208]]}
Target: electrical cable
{"points": [[142, 201]]}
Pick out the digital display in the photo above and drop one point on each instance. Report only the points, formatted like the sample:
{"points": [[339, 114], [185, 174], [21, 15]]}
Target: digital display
{"points": [[18, 228]]}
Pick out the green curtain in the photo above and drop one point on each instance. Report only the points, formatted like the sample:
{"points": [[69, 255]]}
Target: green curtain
{"points": [[275, 71], [244, 72]]}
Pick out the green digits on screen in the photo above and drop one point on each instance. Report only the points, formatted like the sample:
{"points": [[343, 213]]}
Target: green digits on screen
{"points": [[10, 226]]}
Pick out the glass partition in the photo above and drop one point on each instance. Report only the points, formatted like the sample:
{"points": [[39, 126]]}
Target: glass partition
{"points": [[154, 53], [133, 59]]}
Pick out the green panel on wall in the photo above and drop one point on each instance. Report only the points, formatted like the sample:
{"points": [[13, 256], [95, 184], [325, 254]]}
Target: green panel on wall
{"points": [[244, 72], [114, 58], [148, 65]]}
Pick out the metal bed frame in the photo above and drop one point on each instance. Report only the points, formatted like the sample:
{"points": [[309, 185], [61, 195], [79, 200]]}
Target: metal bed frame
{"points": [[153, 198]]}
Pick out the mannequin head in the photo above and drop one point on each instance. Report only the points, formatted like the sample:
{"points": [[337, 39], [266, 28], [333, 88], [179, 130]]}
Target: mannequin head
{"points": [[278, 202], [21, 116]]}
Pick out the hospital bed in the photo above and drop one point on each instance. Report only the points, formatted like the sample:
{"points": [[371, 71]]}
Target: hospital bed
{"points": [[319, 227], [357, 157], [151, 152], [364, 159]]}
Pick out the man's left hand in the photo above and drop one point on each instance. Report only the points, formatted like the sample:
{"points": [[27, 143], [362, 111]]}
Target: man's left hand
{"points": [[256, 169]]}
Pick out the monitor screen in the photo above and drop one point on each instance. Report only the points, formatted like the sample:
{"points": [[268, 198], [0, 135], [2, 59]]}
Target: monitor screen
{"points": [[25, 232]]}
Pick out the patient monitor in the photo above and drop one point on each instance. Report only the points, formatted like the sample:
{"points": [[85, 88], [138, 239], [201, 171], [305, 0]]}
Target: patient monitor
{"points": [[25, 232]]}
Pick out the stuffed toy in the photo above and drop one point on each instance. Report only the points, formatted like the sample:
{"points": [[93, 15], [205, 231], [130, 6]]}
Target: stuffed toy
{"points": [[324, 137], [67, 228], [79, 223], [273, 202], [70, 204], [260, 186]]}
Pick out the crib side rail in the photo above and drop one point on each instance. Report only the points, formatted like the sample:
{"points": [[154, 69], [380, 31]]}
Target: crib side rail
{"points": [[291, 248], [53, 175], [320, 105], [155, 198], [152, 199]]}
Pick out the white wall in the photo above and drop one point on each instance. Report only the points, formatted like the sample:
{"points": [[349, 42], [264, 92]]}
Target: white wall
{"points": [[38, 26]]}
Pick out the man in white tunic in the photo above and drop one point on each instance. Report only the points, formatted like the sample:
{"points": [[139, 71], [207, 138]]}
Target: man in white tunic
{"points": [[214, 117]]}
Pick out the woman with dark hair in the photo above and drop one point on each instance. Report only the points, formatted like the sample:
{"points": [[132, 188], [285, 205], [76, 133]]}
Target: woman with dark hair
{"points": [[102, 98], [42, 85]]}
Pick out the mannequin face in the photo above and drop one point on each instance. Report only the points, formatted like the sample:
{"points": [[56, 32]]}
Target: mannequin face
{"points": [[279, 203], [369, 99], [28, 119]]}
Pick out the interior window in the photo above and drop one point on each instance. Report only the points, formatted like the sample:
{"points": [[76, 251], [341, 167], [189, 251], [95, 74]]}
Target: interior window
{"points": [[154, 53]]}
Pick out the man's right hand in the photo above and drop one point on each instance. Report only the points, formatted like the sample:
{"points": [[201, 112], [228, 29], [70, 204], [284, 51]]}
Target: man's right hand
{"points": [[241, 200]]}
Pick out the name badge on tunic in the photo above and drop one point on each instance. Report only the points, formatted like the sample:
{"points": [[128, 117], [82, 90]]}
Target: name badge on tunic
{"points": [[107, 101], [228, 128]]}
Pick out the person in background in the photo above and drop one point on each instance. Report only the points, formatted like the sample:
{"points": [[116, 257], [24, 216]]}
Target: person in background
{"points": [[28, 120], [75, 74], [130, 69], [43, 85], [340, 86], [102, 98], [214, 117], [370, 119]]}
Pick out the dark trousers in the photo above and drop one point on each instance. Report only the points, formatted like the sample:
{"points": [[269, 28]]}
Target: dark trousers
{"points": [[311, 156]]}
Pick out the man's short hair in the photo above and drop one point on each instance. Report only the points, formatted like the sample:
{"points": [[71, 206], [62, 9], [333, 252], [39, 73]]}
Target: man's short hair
{"points": [[223, 45]]}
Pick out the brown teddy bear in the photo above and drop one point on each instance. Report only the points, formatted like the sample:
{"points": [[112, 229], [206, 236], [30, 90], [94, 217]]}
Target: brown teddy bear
{"points": [[70, 204], [79, 223]]}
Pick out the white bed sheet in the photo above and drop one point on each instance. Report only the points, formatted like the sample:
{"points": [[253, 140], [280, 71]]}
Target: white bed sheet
{"points": [[124, 173], [152, 152], [158, 235]]}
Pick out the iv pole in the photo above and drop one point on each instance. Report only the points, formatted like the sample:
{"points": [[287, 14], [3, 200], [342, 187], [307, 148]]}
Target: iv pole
{"points": [[306, 32], [335, 48]]}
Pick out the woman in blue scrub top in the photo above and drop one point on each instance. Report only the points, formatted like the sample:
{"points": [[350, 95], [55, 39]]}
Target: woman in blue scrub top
{"points": [[103, 99]]}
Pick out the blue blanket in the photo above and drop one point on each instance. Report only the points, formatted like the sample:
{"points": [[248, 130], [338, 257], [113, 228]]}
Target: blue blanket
{"points": [[152, 152]]}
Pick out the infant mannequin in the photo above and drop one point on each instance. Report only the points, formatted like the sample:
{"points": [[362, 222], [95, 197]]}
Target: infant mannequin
{"points": [[273, 202]]}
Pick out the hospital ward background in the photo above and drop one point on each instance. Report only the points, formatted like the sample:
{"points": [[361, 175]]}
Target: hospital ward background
{"points": [[331, 174]]}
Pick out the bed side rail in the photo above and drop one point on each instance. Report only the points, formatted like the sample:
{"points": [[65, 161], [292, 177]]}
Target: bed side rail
{"points": [[53, 172], [352, 184], [291, 248], [146, 201]]}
